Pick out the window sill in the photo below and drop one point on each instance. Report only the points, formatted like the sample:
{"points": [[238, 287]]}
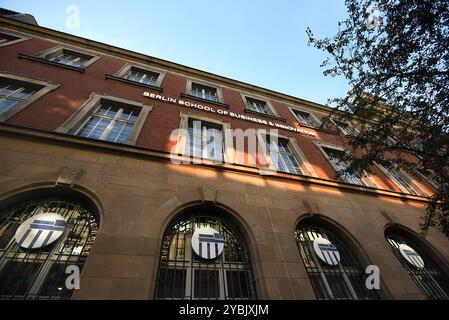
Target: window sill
{"points": [[148, 86], [186, 95], [45, 61], [265, 115]]}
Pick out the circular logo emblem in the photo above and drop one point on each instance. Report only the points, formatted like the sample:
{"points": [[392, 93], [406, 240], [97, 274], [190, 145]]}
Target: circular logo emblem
{"points": [[411, 256], [40, 231], [207, 243], [326, 251]]}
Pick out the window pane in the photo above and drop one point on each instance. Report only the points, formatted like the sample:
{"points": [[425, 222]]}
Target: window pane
{"points": [[334, 156], [7, 88], [206, 284], [171, 283], [70, 58], [7, 233], [205, 140], [305, 118], [17, 277], [7, 104], [119, 132], [94, 128], [237, 282], [258, 106], [204, 92], [282, 156], [142, 76], [54, 284], [24, 93]]}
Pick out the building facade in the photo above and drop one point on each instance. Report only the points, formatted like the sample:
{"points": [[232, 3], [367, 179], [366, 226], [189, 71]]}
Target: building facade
{"points": [[129, 168]]}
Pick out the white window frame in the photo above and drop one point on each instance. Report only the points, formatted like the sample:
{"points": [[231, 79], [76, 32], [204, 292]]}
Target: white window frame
{"points": [[429, 180], [417, 190], [56, 51], [20, 37], [302, 109], [128, 66], [304, 165], [366, 181], [181, 146], [78, 119], [189, 83], [47, 86], [343, 130], [270, 107]]}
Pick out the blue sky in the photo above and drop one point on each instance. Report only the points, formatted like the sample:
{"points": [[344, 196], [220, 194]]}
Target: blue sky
{"points": [[259, 42]]}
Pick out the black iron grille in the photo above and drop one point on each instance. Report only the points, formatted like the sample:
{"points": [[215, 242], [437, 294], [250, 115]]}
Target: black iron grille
{"points": [[345, 281], [41, 273], [184, 275]]}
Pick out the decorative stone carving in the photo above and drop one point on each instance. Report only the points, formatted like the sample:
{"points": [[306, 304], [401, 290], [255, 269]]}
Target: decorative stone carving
{"points": [[69, 176], [208, 194]]}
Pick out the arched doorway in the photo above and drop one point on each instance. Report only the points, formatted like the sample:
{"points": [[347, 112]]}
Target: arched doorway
{"points": [[335, 270], [417, 260], [204, 256], [41, 234]]}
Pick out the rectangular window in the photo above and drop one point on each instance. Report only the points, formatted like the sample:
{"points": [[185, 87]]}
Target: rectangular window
{"points": [[13, 92], [5, 38], [402, 180], [334, 156], [429, 175], [258, 106], [345, 127], [204, 92], [282, 156], [142, 76], [69, 58], [110, 122], [305, 118], [205, 140]]}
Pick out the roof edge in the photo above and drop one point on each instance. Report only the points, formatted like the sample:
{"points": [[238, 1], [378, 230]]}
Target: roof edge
{"points": [[128, 54]]}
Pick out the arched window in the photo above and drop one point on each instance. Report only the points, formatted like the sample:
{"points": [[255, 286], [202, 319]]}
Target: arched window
{"points": [[204, 256], [418, 261], [39, 238], [334, 269]]}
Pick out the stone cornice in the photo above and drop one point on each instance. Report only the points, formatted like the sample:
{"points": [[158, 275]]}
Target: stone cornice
{"points": [[139, 152]]}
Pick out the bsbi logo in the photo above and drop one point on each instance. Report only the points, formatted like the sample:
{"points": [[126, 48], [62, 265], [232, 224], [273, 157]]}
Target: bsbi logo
{"points": [[326, 251], [411, 256], [207, 243], [40, 231]]}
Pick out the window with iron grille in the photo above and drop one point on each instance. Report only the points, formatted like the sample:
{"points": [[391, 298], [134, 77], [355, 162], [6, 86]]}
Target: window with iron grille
{"points": [[305, 118], [343, 281], [205, 140], [5, 38], [428, 276], [69, 58], [258, 106], [111, 121], [204, 92], [182, 274], [13, 92], [334, 156], [282, 156], [40, 273], [142, 76]]}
